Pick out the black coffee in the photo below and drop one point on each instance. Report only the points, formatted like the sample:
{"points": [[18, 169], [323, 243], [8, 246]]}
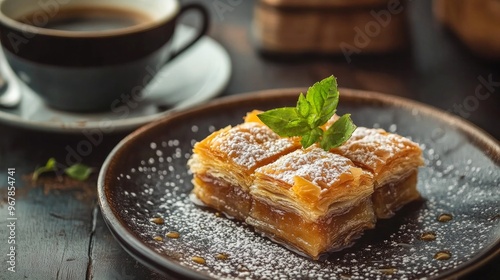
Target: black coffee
{"points": [[87, 19]]}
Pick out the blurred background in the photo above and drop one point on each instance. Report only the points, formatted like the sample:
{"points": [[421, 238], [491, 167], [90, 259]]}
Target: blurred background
{"points": [[437, 52]]}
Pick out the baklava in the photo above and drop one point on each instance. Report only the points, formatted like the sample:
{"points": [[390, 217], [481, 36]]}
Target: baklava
{"points": [[310, 200], [392, 159], [223, 165]]}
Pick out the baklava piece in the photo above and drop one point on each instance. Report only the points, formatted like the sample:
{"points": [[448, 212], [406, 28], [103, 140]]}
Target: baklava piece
{"points": [[392, 159], [312, 201], [223, 164]]}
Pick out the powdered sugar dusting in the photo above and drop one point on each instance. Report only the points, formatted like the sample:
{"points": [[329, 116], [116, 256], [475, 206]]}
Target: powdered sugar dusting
{"points": [[250, 143], [373, 147], [315, 165]]}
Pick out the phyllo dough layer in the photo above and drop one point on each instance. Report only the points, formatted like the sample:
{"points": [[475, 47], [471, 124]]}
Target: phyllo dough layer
{"points": [[312, 183], [315, 200], [392, 159], [223, 164]]}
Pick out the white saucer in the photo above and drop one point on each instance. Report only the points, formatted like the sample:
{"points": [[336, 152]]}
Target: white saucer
{"points": [[201, 73]]}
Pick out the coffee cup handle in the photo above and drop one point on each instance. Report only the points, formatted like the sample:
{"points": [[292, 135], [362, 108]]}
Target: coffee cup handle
{"points": [[203, 30]]}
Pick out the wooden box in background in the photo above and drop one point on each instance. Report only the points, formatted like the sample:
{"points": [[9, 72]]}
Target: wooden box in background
{"points": [[475, 22], [330, 26]]}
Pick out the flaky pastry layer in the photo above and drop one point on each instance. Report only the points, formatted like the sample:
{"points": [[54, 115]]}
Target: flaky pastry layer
{"points": [[233, 153], [389, 198], [312, 183], [327, 234], [390, 157]]}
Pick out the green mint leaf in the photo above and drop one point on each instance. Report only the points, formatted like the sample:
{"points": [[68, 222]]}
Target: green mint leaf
{"points": [[303, 106], [286, 121], [338, 133], [50, 166], [79, 171], [296, 128], [324, 97], [311, 137]]}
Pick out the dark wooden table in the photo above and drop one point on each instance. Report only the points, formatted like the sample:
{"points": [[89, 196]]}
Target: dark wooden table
{"points": [[60, 233]]}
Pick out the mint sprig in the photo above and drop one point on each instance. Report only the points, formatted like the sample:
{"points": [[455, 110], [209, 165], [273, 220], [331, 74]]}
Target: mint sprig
{"points": [[312, 111], [78, 171], [50, 166]]}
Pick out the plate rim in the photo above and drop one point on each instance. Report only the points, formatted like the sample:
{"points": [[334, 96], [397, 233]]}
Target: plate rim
{"points": [[120, 125], [127, 241]]}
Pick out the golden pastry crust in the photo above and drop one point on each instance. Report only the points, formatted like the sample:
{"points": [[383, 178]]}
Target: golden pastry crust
{"points": [[233, 201], [330, 233], [393, 160], [233, 153], [390, 157], [252, 117], [391, 197], [312, 183]]}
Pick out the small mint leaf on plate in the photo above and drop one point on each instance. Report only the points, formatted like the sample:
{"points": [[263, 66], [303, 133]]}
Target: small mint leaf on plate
{"points": [[80, 172], [50, 166]]}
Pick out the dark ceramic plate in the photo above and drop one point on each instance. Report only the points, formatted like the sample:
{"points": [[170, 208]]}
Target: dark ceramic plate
{"points": [[146, 177]]}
